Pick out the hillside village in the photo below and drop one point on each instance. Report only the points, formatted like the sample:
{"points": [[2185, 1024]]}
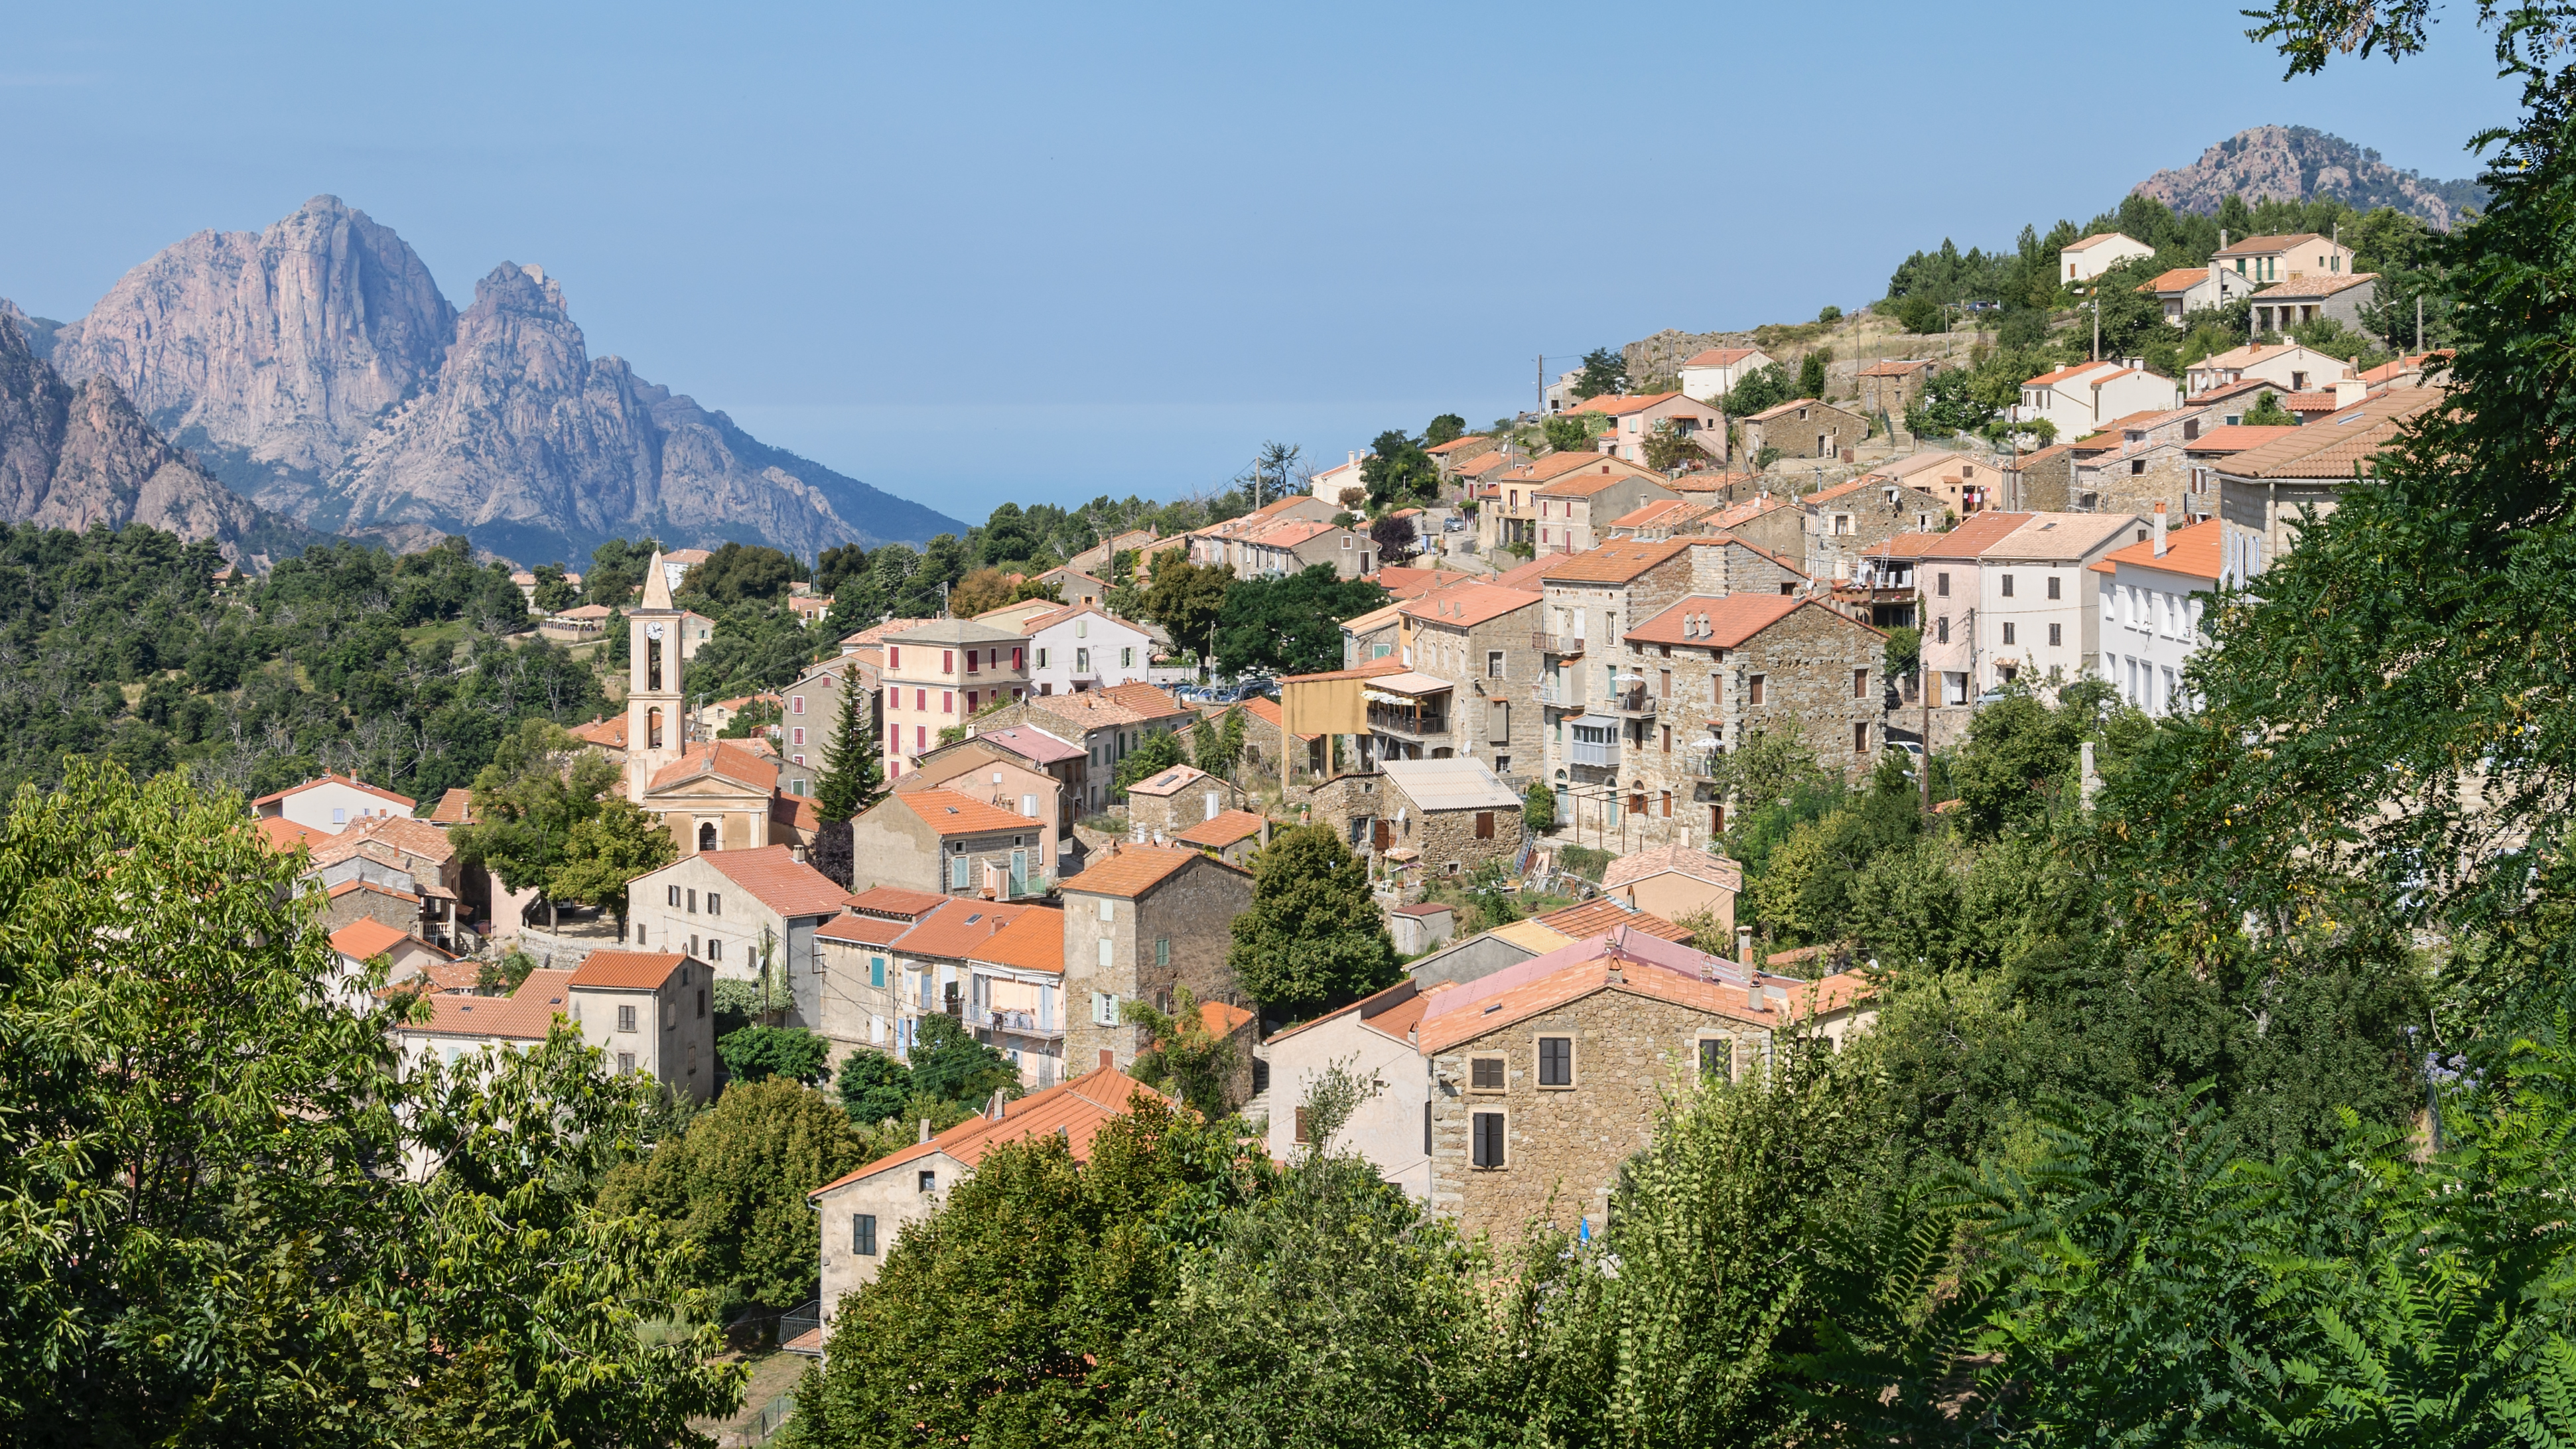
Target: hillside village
{"points": [[1041, 834]]}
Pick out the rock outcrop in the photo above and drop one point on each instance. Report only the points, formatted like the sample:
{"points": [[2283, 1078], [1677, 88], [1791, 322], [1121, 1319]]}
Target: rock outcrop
{"points": [[318, 371], [81, 456], [2296, 163]]}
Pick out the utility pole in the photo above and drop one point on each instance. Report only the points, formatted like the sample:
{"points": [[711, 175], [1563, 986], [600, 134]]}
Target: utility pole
{"points": [[1923, 687], [2097, 324], [2419, 324], [1541, 390]]}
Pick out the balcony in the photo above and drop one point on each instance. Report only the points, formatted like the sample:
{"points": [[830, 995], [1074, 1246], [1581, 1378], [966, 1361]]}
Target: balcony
{"points": [[1601, 753], [1564, 646], [1022, 1024], [1411, 724], [1557, 695], [1701, 764], [1631, 700]]}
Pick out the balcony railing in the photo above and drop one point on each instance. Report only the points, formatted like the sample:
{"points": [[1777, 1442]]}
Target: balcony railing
{"points": [[1415, 724], [1565, 646], [1560, 696], [1701, 764], [1021, 1023], [1604, 753], [1634, 701]]}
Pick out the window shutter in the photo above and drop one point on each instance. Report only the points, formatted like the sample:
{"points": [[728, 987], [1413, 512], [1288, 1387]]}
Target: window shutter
{"points": [[1484, 825]]}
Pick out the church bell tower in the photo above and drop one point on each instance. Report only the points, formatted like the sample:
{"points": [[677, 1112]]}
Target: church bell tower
{"points": [[657, 728]]}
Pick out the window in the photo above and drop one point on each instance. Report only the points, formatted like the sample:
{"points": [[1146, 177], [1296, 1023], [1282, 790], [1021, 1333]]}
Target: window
{"points": [[1104, 1008], [1016, 656], [1042, 659], [2008, 633], [1941, 628], [1108, 910], [973, 659], [894, 656], [876, 972], [863, 1234], [1162, 951], [1484, 825], [1493, 664], [715, 904], [626, 1063], [797, 735], [1489, 1139], [1484, 1074], [796, 705], [1426, 1129], [2052, 586], [1860, 738], [1556, 1061], [1716, 1061], [702, 1001], [1941, 585], [692, 897], [2136, 467], [1082, 661], [715, 949], [948, 661], [1127, 658], [947, 701], [928, 1179], [1754, 688], [2008, 586], [2055, 632], [675, 895], [1860, 684], [958, 868], [339, 815], [626, 1018]]}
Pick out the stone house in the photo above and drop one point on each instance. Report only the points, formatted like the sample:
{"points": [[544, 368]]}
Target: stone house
{"points": [[1176, 800], [406, 956], [1545, 1078], [936, 838], [1002, 769], [1295, 545], [810, 716], [2041, 481], [1448, 457], [1231, 837], [1570, 507], [328, 804], [1662, 519], [1845, 521], [1425, 817], [409, 865], [1804, 428], [1262, 728], [2307, 299], [863, 1213], [2078, 400], [2138, 463], [1891, 385], [1770, 521], [863, 1000], [1108, 725], [1479, 642], [742, 912], [1138, 923], [1708, 672], [1373, 635], [351, 901], [2263, 490], [648, 1013], [1511, 515], [1635, 419]]}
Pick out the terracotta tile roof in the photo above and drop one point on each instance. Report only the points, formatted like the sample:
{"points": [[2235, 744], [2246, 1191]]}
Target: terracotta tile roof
{"points": [[1135, 870], [1456, 443], [1094, 709], [2060, 535], [861, 930], [1521, 576], [2051, 379], [401, 832], [2237, 437], [721, 759], [1222, 1019], [1706, 482], [1736, 515], [959, 928], [2311, 402], [1032, 744], [1624, 404], [367, 936], [1485, 464], [1468, 605], [1076, 1110], [2398, 367], [1584, 485], [1828, 495], [2022, 463], [1033, 942], [1227, 828], [1169, 782], [2266, 245], [1615, 562], [1730, 619], [608, 732], [1767, 414], [1446, 1023], [1687, 860], [1602, 914], [2333, 447], [2180, 279], [777, 879], [405, 801], [524, 1015], [455, 807], [1662, 512], [2317, 284], [346, 886], [2236, 359], [950, 813], [1266, 710], [876, 633], [1970, 539], [626, 970], [1413, 583], [1558, 465], [1721, 356], [1289, 534], [283, 835], [2190, 551]]}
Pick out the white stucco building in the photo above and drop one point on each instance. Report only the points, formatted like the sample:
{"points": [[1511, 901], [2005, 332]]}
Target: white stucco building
{"points": [[2151, 598]]}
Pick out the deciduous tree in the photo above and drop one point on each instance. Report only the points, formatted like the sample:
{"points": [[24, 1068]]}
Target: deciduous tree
{"points": [[1313, 934]]}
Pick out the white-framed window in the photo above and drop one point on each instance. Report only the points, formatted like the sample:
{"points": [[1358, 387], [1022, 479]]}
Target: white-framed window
{"points": [[1104, 1008], [626, 1017], [796, 704]]}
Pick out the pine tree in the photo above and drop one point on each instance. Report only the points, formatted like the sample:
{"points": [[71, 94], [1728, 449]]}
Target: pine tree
{"points": [[850, 783]]}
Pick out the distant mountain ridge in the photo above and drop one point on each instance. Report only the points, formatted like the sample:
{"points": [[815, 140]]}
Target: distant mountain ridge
{"points": [[2299, 163], [318, 371], [81, 456]]}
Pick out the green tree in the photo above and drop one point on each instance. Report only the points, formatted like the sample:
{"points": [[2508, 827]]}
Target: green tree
{"points": [[1538, 808], [2267, 412], [1002, 1320], [1604, 371], [1668, 448], [1291, 624], [1446, 428], [1157, 752], [735, 1185], [736, 573], [1811, 372], [1397, 471], [1760, 390], [554, 592], [207, 1244], [950, 1064], [850, 781], [539, 786], [873, 1087], [1187, 598], [1569, 433], [1186, 1059], [758, 1053], [601, 854], [1313, 934]]}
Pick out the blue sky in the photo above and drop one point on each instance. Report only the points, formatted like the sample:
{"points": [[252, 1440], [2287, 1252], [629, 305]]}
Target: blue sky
{"points": [[978, 253]]}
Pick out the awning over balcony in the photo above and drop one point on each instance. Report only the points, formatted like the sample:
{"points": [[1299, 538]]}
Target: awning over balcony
{"points": [[1406, 688]]}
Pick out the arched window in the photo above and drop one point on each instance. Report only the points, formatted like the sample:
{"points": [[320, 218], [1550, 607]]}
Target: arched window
{"points": [[707, 835], [653, 664], [652, 729]]}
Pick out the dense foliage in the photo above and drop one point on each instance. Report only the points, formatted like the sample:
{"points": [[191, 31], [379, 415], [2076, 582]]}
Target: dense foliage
{"points": [[1314, 934], [1290, 624]]}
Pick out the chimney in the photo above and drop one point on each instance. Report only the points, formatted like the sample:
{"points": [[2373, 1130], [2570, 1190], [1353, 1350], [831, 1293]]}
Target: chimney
{"points": [[2348, 391], [1108, 1060], [2160, 531], [994, 1108], [1744, 946], [925, 1129]]}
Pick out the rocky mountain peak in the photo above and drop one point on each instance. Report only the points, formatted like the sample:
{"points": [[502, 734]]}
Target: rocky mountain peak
{"points": [[2299, 163]]}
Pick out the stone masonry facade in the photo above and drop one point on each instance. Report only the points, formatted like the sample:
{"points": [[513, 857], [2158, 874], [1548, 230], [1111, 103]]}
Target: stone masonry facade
{"points": [[1177, 935], [1564, 1146]]}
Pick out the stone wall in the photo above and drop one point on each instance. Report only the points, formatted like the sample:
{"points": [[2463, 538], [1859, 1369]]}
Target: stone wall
{"points": [[1795, 436], [1447, 838], [1193, 910], [2162, 475], [1564, 1146]]}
